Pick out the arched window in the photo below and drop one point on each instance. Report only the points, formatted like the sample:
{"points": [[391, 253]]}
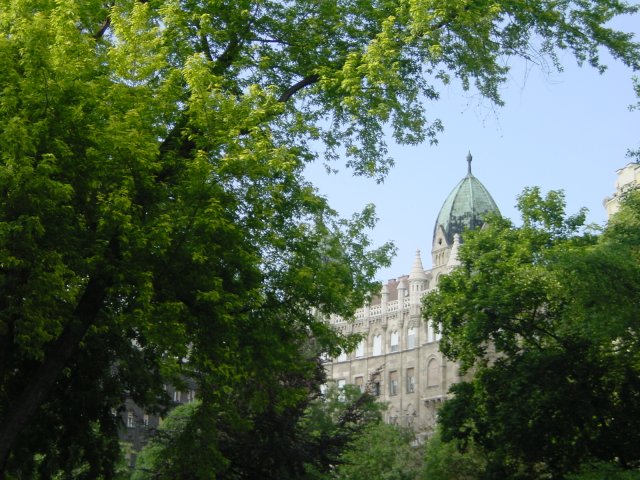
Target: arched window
{"points": [[395, 341], [377, 344], [433, 373], [411, 337], [431, 337], [360, 348]]}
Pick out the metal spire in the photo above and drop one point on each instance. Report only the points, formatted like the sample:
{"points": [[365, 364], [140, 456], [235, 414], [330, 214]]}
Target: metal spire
{"points": [[469, 158]]}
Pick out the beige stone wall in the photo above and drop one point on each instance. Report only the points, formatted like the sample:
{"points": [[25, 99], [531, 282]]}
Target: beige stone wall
{"points": [[432, 373], [628, 178]]}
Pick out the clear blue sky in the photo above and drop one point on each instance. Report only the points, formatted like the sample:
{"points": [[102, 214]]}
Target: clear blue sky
{"points": [[568, 130]]}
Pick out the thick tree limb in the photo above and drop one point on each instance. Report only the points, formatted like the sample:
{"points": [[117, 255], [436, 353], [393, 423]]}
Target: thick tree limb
{"points": [[296, 87], [105, 25], [226, 58], [26, 405]]}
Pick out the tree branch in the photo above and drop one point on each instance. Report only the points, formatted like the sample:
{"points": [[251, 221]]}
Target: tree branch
{"points": [[296, 87], [105, 25], [226, 58]]}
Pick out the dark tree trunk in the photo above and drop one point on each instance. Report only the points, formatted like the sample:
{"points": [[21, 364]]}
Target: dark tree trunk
{"points": [[26, 405]]}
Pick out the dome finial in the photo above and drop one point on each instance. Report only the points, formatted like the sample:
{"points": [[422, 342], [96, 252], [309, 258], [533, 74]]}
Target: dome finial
{"points": [[469, 158]]}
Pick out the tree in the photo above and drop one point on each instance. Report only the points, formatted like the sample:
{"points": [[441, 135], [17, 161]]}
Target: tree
{"points": [[301, 442], [452, 460], [155, 219], [606, 470], [332, 422], [167, 454], [546, 315], [383, 451]]}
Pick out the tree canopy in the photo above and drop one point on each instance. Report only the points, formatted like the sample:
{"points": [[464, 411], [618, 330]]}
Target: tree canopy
{"points": [[302, 441], [546, 315], [155, 219]]}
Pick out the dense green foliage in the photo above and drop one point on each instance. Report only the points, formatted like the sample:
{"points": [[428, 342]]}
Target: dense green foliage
{"points": [[304, 441], [547, 316], [383, 452], [155, 220], [452, 460]]}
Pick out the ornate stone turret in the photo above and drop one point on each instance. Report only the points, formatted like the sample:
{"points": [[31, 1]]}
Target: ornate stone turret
{"points": [[417, 280], [453, 255], [402, 290], [384, 298], [464, 209]]}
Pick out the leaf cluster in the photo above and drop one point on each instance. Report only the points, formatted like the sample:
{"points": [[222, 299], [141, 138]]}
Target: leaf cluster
{"points": [[547, 318]]}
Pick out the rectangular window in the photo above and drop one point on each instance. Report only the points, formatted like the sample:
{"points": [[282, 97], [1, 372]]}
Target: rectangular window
{"points": [[176, 396], [360, 349], [359, 381], [145, 420], [130, 420], [341, 384], [411, 380], [393, 383], [375, 386]]}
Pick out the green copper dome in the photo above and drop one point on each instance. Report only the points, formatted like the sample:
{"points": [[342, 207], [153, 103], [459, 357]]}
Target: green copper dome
{"points": [[465, 207]]}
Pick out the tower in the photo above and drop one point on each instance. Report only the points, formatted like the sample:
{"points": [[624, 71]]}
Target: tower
{"points": [[465, 208], [400, 351]]}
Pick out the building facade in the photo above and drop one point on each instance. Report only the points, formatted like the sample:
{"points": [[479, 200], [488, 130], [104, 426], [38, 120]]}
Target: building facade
{"points": [[399, 356], [628, 178]]}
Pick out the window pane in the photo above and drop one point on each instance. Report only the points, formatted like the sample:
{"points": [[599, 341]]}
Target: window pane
{"points": [[394, 341], [411, 337], [411, 380], [393, 383], [375, 385], [377, 345]]}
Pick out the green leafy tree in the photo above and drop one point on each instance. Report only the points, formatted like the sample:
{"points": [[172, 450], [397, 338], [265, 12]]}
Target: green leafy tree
{"points": [[300, 442], [606, 471], [382, 451], [155, 220], [332, 422], [546, 315], [453, 460], [170, 453]]}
